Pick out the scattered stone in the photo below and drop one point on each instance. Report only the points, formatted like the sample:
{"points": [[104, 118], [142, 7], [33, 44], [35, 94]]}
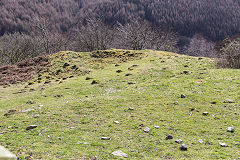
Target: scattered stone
{"points": [[131, 109], [119, 71], [185, 65], [169, 137], [229, 101], [130, 69], [214, 102], [95, 82], [60, 138], [117, 65], [129, 74], [116, 122], [105, 138], [147, 130], [31, 127], [6, 155], [88, 78], [230, 129], [35, 115], [135, 65], [183, 147], [223, 144], [120, 154], [200, 141], [157, 127], [131, 83], [205, 113], [186, 72], [65, 65], [10, 112], [40, 105], [179, 141], [183, 96]]}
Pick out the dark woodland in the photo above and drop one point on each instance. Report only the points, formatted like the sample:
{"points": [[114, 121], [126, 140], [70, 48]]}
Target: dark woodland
{"points": [[215, 19]]}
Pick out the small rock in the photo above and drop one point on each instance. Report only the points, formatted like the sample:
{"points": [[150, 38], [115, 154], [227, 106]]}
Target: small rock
{"points": [[105, 138], [119, 71], [116, 122], [223, 144], [186, 72], [169, 137], [10, 112], [179, 141], [147, 130], [120, 154], [31, 127], [157, 127], [131, 109], [205, 113], [128, 74], [95, 82], [230, 129], [40, 105], [35, 115], [183, 147], [200, 141], [88, 78], [183, 96], [60, 138], [229, 101], [135, 65]]}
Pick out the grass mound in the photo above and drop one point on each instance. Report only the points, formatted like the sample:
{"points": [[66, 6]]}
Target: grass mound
{"points": [[143, 108]]}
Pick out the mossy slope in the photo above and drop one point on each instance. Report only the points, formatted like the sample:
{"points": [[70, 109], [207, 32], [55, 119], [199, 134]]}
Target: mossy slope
{"points": [[73, 116]]}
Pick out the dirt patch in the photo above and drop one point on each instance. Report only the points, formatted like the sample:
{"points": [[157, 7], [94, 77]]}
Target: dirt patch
{"points": [[23, 71]]}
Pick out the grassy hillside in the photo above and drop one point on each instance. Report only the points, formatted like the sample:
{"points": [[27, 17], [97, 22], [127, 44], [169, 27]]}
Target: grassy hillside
{"points": [[74, 108]]}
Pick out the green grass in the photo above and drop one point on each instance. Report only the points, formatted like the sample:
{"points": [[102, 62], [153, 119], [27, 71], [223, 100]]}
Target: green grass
{"points": [[81, 113]]}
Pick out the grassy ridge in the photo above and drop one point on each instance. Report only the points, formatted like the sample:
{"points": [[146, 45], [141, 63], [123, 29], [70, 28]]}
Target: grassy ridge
{"points": [[73, 116]]}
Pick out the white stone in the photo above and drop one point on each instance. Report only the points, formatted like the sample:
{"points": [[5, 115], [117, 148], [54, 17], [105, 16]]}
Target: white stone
{"points": [[147, 130], [120, 154], [116, 122], [223, 144], [6, 155], [200, 141], [157, 127]]}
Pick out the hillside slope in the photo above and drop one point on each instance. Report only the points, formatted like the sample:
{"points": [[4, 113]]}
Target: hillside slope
{"points": [[152, 89]]}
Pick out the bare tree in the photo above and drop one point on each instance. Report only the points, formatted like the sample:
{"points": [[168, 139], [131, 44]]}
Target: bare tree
{"points": [[94, 36], [140, 35], [48, 41], [164, 40], [135, 35], [229, 54], [16, 47], [200, 46]]}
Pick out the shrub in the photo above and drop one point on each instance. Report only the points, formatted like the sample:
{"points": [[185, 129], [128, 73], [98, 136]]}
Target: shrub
{"points": [[229, 53]]}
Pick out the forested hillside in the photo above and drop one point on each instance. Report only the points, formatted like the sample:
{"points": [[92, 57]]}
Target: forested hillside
{"points": [[216, 19]]}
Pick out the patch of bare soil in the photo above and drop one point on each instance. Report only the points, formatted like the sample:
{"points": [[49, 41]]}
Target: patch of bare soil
{"points": [[23, 71]]}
